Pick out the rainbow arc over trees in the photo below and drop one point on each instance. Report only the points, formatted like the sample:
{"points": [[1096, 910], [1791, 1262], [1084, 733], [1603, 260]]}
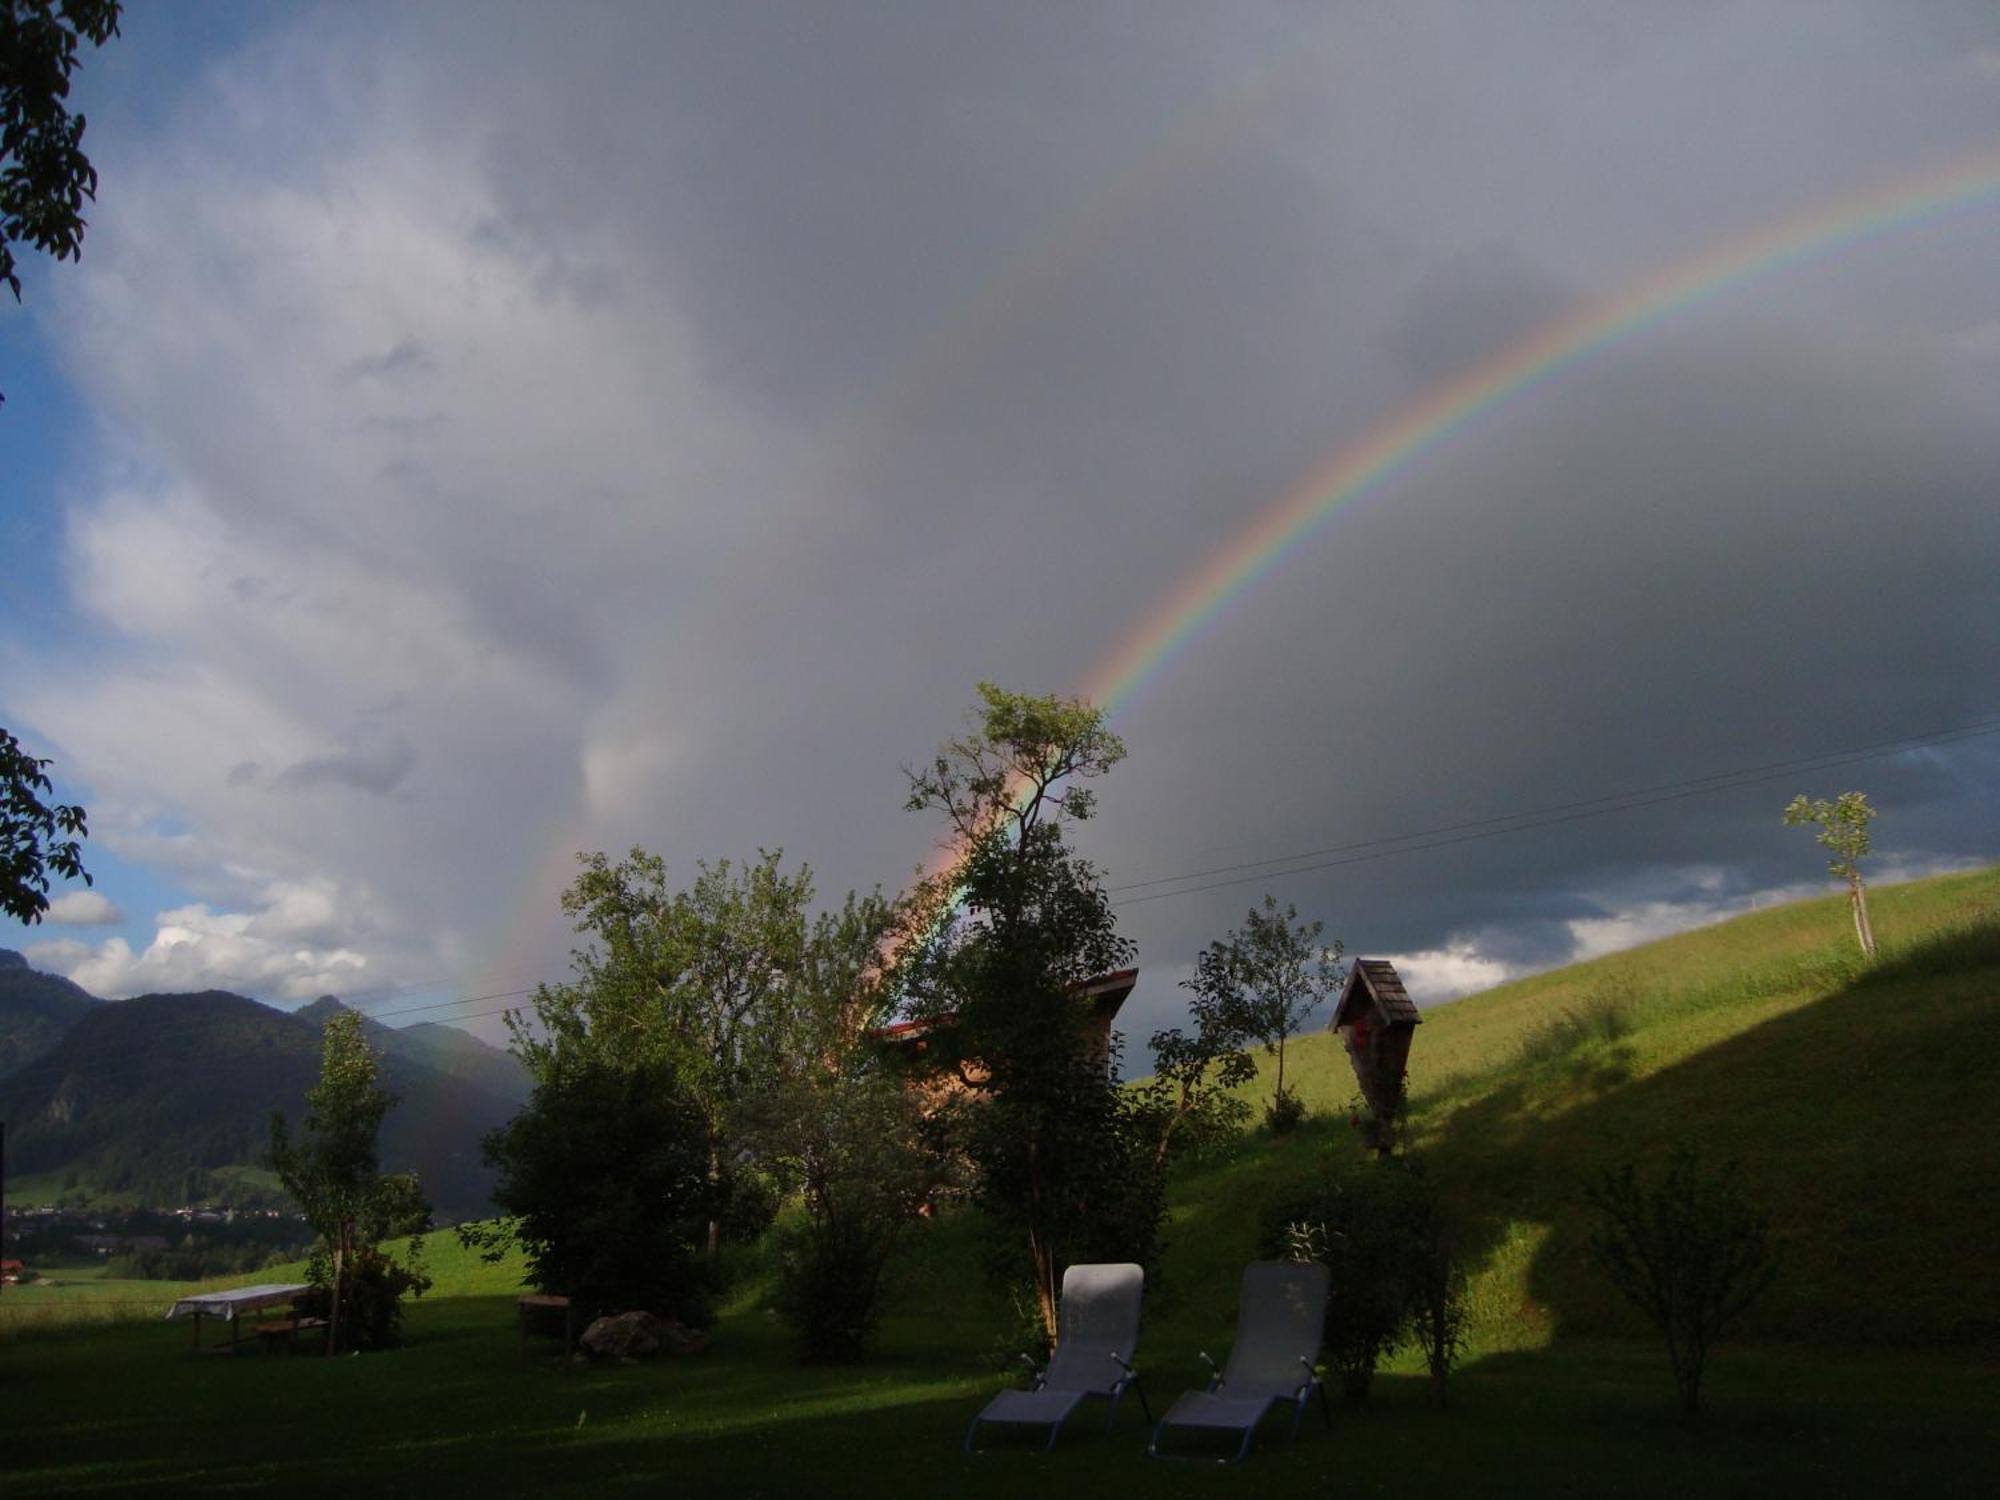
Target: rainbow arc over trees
{"points": [[1445, 412], [1434, 419]]}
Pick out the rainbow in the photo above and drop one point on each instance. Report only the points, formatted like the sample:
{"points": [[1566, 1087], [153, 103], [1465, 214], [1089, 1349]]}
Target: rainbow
{"points": [[1446, 411], [1422, 427]]}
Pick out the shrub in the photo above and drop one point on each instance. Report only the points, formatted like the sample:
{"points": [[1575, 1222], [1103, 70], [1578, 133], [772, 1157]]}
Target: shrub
{"points": [[1379, 1227], [1604, 1017], [830, 1282], [1438, 1312], [372, 1291], [1688, 1250], [1285, 1113]]}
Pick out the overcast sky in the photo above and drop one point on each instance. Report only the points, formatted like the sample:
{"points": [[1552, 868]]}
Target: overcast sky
{"points": [[478, 433]]}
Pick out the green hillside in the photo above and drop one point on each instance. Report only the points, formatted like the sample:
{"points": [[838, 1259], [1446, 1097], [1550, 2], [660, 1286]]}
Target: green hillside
{"points": [[36, 1011], [441, 1048], [154, 1100], [1858, 1099]]}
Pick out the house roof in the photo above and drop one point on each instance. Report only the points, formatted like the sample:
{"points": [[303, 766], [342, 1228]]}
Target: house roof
{"points": [[1377, 980], [1107, 992]]}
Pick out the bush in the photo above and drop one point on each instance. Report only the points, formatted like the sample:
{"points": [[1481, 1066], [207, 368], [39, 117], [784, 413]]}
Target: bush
{"points": [[372, 1292], [830, 1276], [1438, 1312], [1688, 1250], [1380, 1229], [1605, 1017], [1285, 1113], [606, 1177]]}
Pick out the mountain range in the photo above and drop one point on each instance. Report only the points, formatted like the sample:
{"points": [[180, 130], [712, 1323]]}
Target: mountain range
{"points": [[167, 1099]]}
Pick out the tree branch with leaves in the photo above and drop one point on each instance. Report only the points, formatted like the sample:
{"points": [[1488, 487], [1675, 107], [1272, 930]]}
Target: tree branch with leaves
{"points": [[37, 838]]}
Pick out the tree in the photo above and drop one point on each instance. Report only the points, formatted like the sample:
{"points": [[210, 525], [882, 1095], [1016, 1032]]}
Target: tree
{"points": [[1688, 1250], [44, 175], [35, 837], [684, 978], [331, 1169], [44, 179], [1266, 977], [605, 1176], [832, 1121], [1002, 944], [1843, 828], [1191, 1097]]}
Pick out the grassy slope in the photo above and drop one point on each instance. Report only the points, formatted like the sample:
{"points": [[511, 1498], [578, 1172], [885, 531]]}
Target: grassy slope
{"points": [[1871, 1142], [1856, 1099]]}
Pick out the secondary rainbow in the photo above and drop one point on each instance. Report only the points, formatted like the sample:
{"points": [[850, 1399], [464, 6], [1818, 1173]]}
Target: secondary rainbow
{"points": [[1447, 410]]}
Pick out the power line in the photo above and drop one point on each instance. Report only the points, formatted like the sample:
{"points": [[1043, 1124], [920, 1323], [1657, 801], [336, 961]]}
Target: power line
{"points": [[1279, 866]]}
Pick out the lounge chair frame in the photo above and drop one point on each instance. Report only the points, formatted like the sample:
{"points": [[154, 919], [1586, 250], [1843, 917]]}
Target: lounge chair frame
{"points": [[1215, 1408], [1075, 1364]]}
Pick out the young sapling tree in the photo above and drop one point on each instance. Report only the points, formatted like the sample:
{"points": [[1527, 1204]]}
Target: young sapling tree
{"points": [[330, 1167], [1688, 1250], [1264, 980], [1843, 829]]}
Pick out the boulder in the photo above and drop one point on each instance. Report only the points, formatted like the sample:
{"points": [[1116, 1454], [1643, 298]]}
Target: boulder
{"points": [[639, 1335], [632, 1335]]}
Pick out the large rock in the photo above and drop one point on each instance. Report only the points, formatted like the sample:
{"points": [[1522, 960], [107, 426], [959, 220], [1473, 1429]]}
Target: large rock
{"points": [[639, 1335]]}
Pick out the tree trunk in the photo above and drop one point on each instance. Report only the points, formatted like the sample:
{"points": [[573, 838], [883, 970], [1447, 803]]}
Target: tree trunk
{"points": [[714, 1248], [1045, 1285], [333, 1312], [1864, 932]]}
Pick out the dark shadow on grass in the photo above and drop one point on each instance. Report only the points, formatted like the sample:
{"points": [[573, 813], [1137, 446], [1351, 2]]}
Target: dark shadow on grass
{"points": [[1862, 1126]]}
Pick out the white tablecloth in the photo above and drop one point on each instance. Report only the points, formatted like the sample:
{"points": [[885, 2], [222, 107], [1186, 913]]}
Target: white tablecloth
{"points": [[240, 1299]]}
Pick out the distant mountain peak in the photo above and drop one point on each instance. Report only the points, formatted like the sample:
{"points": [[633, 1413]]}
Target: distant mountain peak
{"points": [[9, 959]]}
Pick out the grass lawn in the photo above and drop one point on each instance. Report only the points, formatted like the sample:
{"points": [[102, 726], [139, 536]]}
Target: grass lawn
{"points": [[83, 1296], [456, 1411], [1859, 1101]]}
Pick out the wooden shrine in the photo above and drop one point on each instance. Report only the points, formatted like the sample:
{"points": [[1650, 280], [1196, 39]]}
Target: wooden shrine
{"points": [[1376, 1019]]}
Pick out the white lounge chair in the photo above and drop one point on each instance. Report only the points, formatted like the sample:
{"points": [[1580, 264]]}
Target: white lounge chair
{"points": [[1099, 1315], [1279, 1323]]}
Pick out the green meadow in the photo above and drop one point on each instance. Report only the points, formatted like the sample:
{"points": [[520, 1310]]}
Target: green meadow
{"points": [[1857, 1099]]}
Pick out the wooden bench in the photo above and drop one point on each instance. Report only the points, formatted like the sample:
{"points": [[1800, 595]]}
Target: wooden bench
{"points": [[282, 1333], [539, 1308]]}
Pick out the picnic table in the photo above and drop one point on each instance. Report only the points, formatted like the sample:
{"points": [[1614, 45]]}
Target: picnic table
{"points": [[233, 1303]]}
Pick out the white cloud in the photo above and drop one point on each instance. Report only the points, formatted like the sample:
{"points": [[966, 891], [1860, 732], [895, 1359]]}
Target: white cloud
{"points": [[57, 955], [1460, 966], [409, 499], [1445, 973], [288, 949], [84, 909]]}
